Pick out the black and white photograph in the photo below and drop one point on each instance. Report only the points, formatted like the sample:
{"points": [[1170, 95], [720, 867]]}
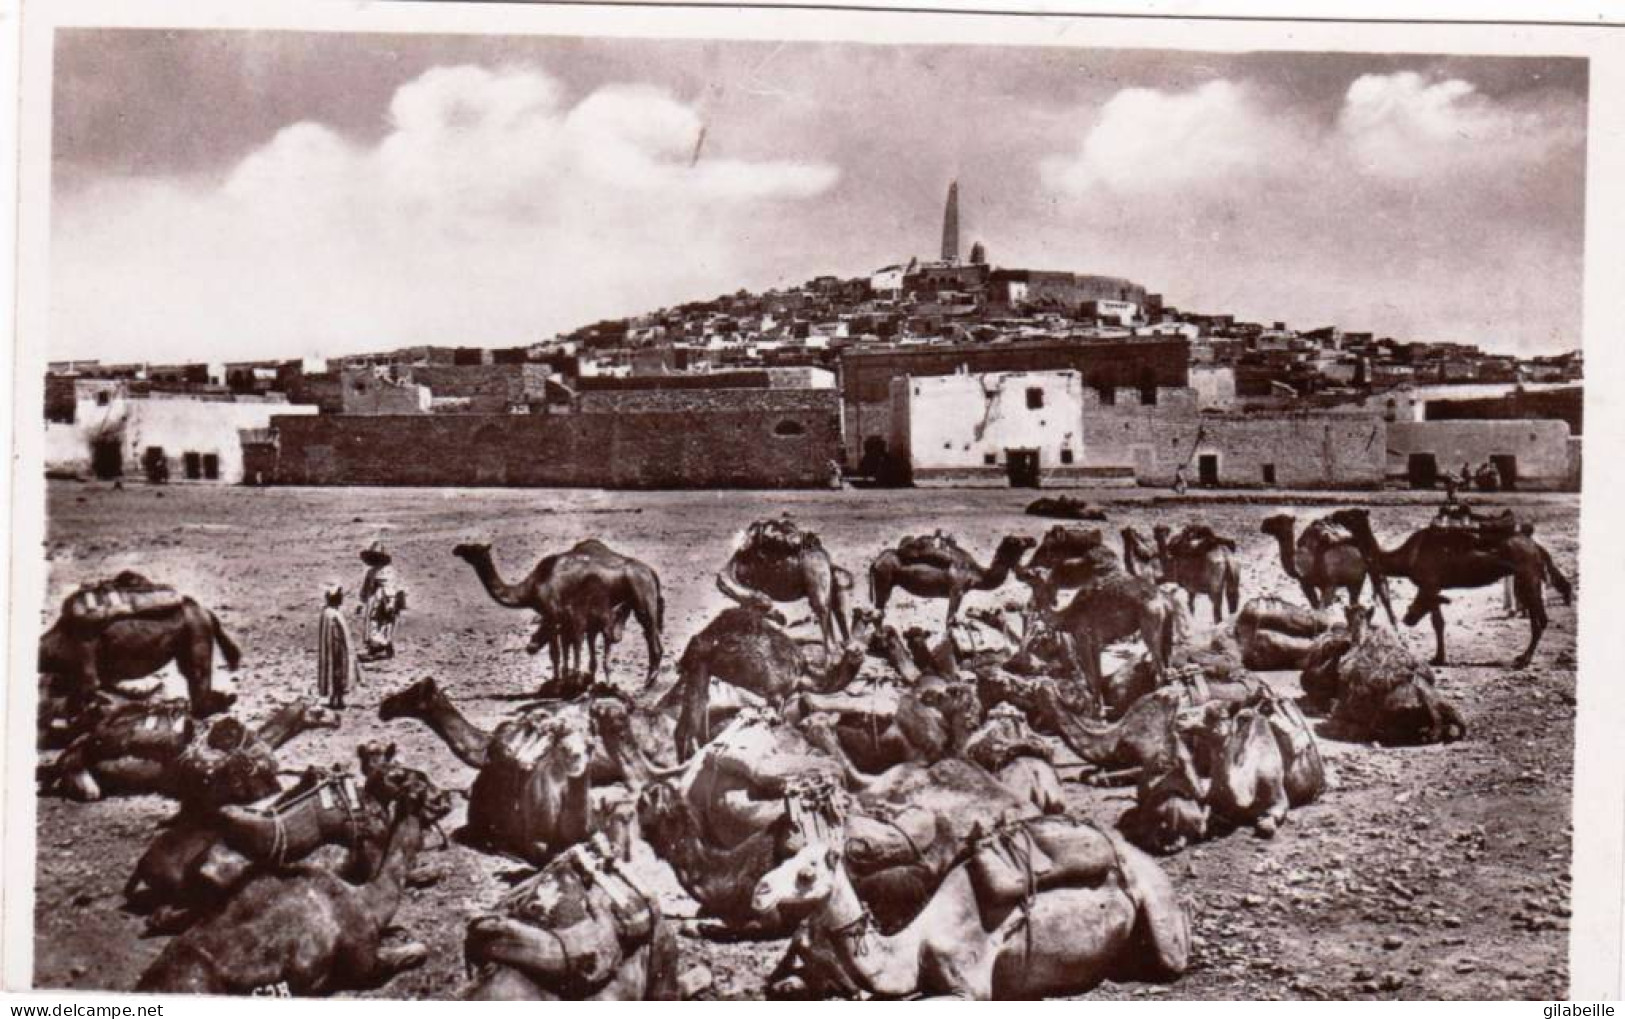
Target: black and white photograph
{"points": [[559, 506]]}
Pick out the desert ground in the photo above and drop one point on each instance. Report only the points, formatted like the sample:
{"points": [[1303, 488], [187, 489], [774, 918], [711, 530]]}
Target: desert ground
{"points": [[1429, 872]]}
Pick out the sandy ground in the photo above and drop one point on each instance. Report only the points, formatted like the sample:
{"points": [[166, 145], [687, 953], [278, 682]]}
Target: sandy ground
{"points": [[1428, 872]]}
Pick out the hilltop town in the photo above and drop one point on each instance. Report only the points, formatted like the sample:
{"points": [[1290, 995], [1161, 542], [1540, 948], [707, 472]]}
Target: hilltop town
{"points": [[948, 371]]}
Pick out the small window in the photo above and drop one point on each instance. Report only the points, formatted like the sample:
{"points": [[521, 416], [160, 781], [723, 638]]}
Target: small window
{"points": [[788, 428], [1269, 474], [1108, 396], [103, 398], [1066, 456], [1035, 398], [990, 459]]}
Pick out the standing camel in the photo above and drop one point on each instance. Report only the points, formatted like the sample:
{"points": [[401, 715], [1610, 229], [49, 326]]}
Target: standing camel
{"points": [[1323, 558], [1201, 564], [1108, 607], [949, 572], [777, 561], [588, 574], [1437, 559]]}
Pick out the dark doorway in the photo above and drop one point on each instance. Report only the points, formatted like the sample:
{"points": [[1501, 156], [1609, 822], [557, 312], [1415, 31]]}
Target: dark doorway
{"points": [[211, 466], [873, 464], [1022, 465], [1269, 474], [194, 466], [1422, 469], [107, 458], [1506, 465], [1207, 469]]}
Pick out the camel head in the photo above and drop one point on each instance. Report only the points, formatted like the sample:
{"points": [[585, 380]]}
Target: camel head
{"points": [[661, 813], [1012, 548], [807, 878], [374, 756], [1279, 526], [412, 701], [473, 552], [1160, 534], [1424, 604], [406, 788]]}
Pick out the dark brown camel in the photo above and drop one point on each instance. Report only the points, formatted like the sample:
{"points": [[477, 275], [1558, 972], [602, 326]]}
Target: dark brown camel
{"points": [[1437, 559], [144, 748], [1200, 562], [778, 561], [196, 862], [747, 650], [950, 573], [590, 574], [1139, 551], [1383, 692], [1323, 558], [137, 647], [308, 931]]}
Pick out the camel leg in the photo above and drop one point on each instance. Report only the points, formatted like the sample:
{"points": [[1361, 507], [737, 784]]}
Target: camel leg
{"points": [[1437, 617], [954, 596], [1531, 600], [838, 608], [879, 591], [819, 607], [1310, 594], [651, 641]]}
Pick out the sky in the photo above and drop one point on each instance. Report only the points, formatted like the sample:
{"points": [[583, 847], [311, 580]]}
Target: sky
{"points": [[245, 195]]}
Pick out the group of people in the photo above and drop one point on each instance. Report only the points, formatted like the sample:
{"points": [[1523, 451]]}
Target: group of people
{"points": [[382, 601]]}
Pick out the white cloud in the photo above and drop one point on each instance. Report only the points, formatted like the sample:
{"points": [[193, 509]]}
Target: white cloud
{"points": [[1420, 207], [490, 212]]}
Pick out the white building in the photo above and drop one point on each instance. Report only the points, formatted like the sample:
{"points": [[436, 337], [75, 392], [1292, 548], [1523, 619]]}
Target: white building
{"points": [[1215, 386], [888, 280], [115, 434], [1016, 428]]}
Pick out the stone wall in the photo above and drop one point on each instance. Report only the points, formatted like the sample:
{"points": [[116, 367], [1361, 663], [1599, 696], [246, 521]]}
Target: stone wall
{"points": [[1287, 450], [706, 401], [740, 448], [488, 388]]}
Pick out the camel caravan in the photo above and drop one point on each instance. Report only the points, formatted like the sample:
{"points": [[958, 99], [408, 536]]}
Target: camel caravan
{"points": [[892, 801]]}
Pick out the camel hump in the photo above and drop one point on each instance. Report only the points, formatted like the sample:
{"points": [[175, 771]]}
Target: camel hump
{"points": [[1198, 540], [1015, 861], [125, 596], [939, 550]]}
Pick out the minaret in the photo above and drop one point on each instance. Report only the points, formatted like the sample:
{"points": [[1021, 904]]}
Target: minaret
{"points": [[950, 225]]}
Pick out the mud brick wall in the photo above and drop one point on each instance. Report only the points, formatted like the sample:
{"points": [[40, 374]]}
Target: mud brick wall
{"points": [[1303, 450], [743, 448], [490, 388]]}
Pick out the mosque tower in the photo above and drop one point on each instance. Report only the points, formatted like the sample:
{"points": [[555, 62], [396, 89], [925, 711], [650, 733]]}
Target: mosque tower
{"points": [[950, 225]]}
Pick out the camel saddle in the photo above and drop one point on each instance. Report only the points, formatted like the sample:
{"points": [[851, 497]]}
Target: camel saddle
{"points": [[125, 596], [1015, 861], [1197, 540], [937, 550], [230, 766], [780, 537], [548, 899]]}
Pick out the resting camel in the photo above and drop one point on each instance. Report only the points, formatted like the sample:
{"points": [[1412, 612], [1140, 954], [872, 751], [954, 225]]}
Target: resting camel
{"points": [[138, 646], [1143, 739], [1437, 559], [1385, 693], [1273, 634], [195, 862], [424, 701], [309, 930], [1323, 558], [886, 726], [590, 574], [944, 570], [1252, 761], [1110, 607], [152, 747], [745, 649], [583, 928], [777, 561], [1111, 915], [1200, 562]]}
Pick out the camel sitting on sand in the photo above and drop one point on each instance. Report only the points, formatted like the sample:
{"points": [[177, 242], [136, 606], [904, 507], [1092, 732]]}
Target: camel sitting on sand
{"points": [[307, 930], [1111, 915]]}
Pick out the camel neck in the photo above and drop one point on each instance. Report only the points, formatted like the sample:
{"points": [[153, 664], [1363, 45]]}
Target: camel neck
{"points": [[500, 591], [465, 739], [886, 966], [283, 725], [1284, 541], [381, 896]]}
